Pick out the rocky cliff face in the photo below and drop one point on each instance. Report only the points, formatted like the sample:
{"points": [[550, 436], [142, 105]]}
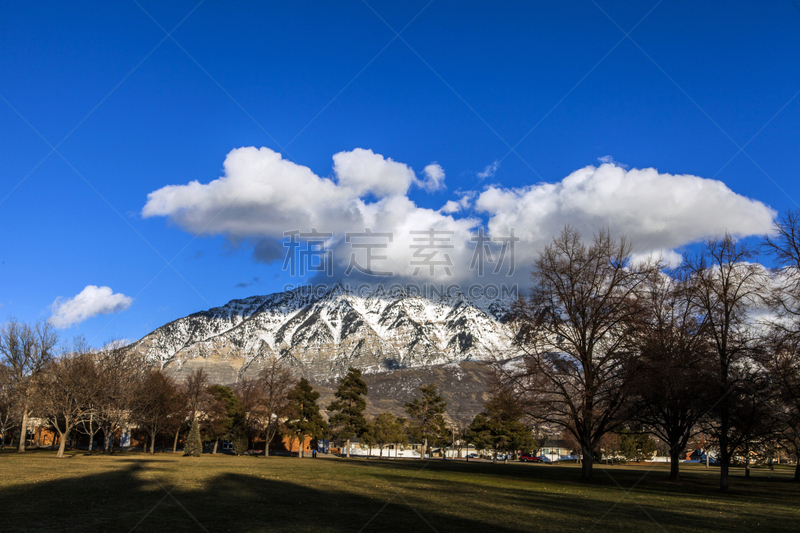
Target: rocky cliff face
{"points": [[321, 334]]}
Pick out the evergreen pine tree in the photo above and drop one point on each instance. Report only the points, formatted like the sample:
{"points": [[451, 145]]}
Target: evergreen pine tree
{"points": [[500, 425], [636, 444], [239, 438], [386, 429], [194, 444], [349, 420], [428, 412], [305, 420]]}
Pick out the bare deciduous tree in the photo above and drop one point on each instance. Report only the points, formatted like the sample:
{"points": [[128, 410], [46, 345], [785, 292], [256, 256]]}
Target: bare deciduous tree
{"points": [[195, 390], [265, 400], [783, 359], [67, 387], [156, 400], [725, 286], [26, 351], [576, 330], [120, 372], [8, 415], [669, 380]]}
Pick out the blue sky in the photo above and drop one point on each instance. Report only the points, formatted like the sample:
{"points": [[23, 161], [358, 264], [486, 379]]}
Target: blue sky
{"points": [[132, 110]]}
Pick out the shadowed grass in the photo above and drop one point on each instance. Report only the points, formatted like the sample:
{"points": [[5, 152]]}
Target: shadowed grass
{"points": [[168, 492]]}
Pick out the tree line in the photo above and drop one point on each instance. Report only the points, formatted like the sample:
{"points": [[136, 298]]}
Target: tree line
{"points": [[711, 348], [75, 390]]}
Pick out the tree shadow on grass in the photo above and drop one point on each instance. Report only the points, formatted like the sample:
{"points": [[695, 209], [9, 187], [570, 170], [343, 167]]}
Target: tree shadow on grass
{"points": [[143, 494], [130, 497]]}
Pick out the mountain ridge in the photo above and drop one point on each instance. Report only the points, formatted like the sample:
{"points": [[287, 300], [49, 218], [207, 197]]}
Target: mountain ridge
{"points": [[321, 333]]}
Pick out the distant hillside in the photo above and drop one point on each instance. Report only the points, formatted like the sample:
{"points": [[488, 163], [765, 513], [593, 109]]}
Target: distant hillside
{"points": [[462, 385]]}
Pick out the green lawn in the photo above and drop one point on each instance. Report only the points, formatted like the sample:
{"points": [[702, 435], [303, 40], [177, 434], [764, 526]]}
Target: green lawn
{"points": [[39, 492]]}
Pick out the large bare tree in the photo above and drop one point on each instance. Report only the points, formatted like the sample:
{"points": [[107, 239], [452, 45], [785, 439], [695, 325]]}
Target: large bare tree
{"points": [[8, 415], [783, 359], [195, 392], [26, 350], [668, 385], [576, 330], [68, 385], [265, 400], [156, 400], [726, 286], [120, 372]]}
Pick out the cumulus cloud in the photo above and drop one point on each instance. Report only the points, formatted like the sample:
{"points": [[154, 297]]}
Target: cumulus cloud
{"points": [[91, 301], [261, 196], [364, 171], [463, 203], [489, 171], [657, 212], [450, 207]]}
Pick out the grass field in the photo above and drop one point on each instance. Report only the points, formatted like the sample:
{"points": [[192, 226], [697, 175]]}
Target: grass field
{"points": [[133, 491]]}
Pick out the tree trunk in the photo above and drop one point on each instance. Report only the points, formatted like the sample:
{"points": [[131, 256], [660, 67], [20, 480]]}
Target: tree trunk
{"points": [[424, 448], [586, 468], [747, 460], [62, 444], [216, 442], [23, 428], [175, 442], [347, 448], [725, 466], [674, 463], [797, 472], [153, 444], [724, 425], [301, 441]]}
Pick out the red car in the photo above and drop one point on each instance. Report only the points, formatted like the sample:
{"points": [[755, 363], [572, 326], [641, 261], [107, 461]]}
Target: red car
{"points": [[528, 458]]}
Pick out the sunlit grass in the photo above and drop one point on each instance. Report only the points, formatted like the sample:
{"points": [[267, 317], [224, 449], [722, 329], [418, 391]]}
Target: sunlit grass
{"points": [[169, 492]]}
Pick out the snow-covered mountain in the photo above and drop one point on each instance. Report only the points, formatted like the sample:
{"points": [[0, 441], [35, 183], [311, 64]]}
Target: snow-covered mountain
{"points": [[322, 333]]}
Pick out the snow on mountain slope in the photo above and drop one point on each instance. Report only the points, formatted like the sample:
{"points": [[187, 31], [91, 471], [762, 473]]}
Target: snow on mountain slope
{"points": [[321, 334]]}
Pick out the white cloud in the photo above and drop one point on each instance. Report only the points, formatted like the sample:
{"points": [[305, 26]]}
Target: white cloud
{"points": [[91, 301], [365, 172], [434, 178], [261, 196], [657, 212], [450, 207], [462, 204], [489, 171], [610, 160]]}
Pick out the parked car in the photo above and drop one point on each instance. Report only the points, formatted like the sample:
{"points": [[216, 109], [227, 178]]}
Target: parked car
{"points": [[473, 456], [529, 458], [501, 457]]}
